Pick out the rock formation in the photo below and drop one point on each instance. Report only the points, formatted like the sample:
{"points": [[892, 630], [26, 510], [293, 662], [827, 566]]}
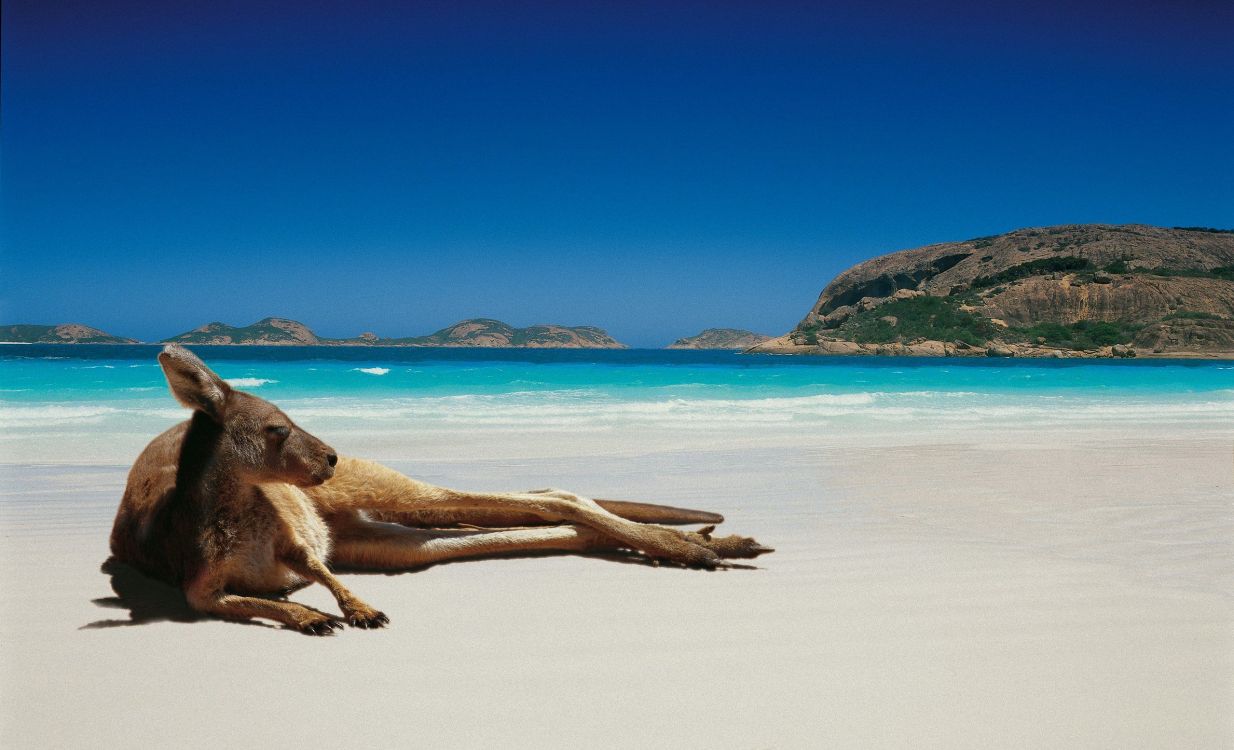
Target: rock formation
{"points": [[1073, 290]]}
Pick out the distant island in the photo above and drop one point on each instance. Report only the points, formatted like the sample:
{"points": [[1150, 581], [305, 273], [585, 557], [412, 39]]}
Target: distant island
{"points": [[265, 332], [1078, 290], [64, 333], [720, 338], [478, 332], [485, 332]]}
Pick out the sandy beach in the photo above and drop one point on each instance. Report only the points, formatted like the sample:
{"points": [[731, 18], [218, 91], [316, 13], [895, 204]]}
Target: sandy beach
{"points": [[966, 589]]}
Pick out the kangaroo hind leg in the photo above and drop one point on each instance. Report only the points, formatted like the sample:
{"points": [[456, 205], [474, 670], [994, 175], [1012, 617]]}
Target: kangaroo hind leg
{"points": [[364, 485], [377, 545]]}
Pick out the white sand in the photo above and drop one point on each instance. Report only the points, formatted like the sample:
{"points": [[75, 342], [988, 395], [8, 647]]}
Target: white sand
{"points": [[968, 590]]}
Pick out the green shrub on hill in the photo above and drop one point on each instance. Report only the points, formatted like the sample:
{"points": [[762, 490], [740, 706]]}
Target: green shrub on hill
{"points": [[1220, 272], [930, 317], [1041, 266], [1085, 334]]}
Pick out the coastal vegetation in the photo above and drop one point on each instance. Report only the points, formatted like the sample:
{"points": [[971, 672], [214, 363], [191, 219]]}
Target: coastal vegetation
{"points": [[936, 318], [925, 317], [1083, 334], [1220, 272], [1042, 266]]}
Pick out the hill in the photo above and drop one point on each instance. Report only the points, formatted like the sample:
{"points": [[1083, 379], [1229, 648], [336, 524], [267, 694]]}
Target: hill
{"points": [[720, 338], [65, 333], [1072, 290], [265, 332]]}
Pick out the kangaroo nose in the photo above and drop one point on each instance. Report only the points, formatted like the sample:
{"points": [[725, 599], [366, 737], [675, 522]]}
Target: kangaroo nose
{"points": [[332, 458]]}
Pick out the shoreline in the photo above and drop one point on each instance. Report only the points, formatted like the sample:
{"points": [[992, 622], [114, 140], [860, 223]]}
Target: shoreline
{"points": [[836, 349]]}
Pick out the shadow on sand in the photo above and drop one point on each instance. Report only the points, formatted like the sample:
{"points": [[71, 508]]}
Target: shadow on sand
{"points": [[146, 599], [149, 600]]}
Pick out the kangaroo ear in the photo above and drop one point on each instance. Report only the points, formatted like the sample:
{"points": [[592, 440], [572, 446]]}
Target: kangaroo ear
{"points": [[192, 383]]}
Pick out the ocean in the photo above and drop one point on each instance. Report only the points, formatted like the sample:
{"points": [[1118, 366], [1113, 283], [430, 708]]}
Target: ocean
{"points": [[101, 403]]}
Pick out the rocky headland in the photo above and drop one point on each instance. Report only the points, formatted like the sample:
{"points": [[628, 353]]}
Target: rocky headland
{"points": [[1079, 290]]}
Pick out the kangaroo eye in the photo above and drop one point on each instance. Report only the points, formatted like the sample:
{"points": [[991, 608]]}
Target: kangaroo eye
{"points": [[279, 431]]}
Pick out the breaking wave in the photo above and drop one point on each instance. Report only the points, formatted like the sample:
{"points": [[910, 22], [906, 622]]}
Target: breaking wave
{"points": [[249, 382], [52, 415]]}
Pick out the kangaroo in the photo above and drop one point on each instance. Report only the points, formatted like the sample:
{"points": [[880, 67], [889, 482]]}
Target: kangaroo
{"points": [[238, 506]]}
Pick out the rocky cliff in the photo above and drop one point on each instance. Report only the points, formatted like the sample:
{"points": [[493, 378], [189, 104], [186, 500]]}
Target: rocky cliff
{"points": [[65, 333], [720, 338], [1073, 290]]}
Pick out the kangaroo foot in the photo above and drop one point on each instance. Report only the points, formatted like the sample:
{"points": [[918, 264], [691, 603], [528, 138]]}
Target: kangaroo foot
{"points": [[714, 550], [656, 542], [685, 548], [729, 547]]}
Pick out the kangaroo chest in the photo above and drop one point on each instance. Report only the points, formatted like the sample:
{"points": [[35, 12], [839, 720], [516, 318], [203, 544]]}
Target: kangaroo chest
{"points": [[279, 517]]}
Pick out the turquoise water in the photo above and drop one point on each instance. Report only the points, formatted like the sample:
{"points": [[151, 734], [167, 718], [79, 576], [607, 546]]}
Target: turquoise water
{"points": [[102, 393]]}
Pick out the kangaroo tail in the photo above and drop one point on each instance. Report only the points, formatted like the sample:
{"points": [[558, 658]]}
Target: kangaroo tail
{"points": [[651, 513]]}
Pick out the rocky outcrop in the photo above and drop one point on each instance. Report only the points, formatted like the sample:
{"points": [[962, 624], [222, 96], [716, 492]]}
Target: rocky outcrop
{"points": [[64, 333], [1187, 336], [1136, 297], [1077, 289], [720, 338]]}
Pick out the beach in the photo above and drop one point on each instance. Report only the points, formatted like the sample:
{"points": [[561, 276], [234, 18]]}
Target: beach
{"points": [[998, 580]]}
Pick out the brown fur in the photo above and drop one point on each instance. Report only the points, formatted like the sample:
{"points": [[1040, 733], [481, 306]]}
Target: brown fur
{"points": [[239, 503]]}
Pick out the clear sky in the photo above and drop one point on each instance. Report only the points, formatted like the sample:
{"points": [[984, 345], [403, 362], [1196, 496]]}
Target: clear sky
{"points": [[653, 168]]}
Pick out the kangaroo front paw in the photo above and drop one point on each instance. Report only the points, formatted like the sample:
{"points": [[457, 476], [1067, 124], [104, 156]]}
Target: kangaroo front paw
{"points": [[365, 617], [316, 623]]}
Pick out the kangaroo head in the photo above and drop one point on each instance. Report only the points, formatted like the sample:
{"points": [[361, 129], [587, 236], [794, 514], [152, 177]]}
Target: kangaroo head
{"points": [[257, 441]]}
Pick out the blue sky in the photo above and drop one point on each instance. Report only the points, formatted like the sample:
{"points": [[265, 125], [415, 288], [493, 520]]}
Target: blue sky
{"points": [[653, 169]]}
